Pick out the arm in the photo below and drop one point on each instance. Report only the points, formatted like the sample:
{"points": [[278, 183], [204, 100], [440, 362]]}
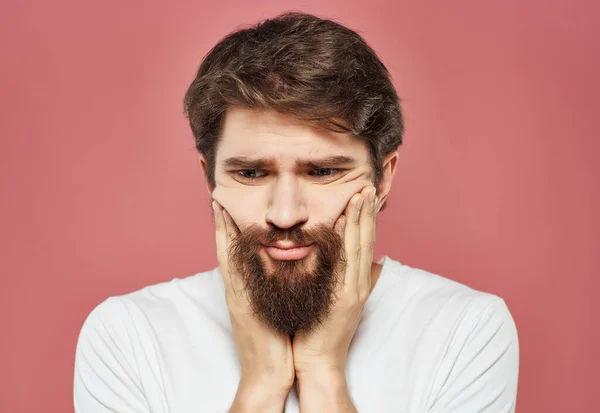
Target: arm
{"points": [[320, 353], [106, 377], [265, 355], [325, 392], [483, 375], [252, 398]]}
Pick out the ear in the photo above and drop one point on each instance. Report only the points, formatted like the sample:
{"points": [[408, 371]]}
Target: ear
{"points": [[210, 188], [390, 162]]}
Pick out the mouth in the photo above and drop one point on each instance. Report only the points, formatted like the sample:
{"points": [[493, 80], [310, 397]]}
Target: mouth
{"points": [[288, 252]]}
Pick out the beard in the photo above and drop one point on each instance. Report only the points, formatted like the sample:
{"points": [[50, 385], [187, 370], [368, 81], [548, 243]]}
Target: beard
{"points": [[289, 295]]}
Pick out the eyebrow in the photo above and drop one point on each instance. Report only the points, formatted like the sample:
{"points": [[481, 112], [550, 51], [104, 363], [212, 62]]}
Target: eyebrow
{"points": [[244, 162]]}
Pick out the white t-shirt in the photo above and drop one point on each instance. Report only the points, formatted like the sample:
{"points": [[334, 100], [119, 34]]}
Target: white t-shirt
{"points": [[426, 344]]}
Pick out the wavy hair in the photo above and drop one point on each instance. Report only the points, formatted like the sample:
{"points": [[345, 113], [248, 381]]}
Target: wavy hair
{"points": [[315, 69]]}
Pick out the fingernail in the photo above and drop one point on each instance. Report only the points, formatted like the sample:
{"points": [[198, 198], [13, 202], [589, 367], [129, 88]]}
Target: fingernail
{"points": [[372, 197], [342, 223], [226, 218], [376, 202], [359, 203], [214, 207]]}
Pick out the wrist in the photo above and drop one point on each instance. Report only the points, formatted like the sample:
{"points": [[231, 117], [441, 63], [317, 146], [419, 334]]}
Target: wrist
{"points": [[260, 396], [321, 371], [324, 380], [326, 391]]}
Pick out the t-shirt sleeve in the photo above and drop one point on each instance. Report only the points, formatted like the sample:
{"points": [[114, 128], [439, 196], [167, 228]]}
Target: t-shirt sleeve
{"points": [[483, 374], [106, 375]]}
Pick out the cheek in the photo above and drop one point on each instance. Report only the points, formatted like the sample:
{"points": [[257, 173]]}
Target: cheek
{"points": [[242, 204], [328, 204]]}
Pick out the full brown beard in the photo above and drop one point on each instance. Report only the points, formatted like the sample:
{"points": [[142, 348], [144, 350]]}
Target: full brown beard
{"points": [[290, 296]]}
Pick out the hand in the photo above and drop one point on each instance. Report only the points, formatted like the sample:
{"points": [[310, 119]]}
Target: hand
{"points": [[265, 355], [323, 352]]}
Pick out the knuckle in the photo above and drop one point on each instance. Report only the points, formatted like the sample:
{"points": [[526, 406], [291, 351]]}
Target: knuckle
{"points": [[369, 245], [222, 257], [350, 300], [347, 303]]}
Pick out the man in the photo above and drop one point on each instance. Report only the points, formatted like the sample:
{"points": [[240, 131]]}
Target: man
{"points": [[297, 124]]}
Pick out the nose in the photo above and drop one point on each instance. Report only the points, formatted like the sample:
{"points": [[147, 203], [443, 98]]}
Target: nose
{"points": [[287, 206]]}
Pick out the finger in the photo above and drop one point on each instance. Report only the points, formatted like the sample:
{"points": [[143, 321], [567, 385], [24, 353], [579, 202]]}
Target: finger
{"points": [[340, 225], [378, 204], [367, 240], [352, 241], [221, 242], [231, 227], [340, 269], [232, 232]]}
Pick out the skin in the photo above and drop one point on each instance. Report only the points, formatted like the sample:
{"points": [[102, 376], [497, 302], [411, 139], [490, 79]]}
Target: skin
{"points": [[284, 193]]}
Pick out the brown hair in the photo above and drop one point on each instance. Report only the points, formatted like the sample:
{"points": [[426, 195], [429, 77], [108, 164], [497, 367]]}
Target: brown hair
{"points": [[312, 68]]}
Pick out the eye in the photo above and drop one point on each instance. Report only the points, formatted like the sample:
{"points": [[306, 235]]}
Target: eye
{"points": [[250, 173], [325, 172]]}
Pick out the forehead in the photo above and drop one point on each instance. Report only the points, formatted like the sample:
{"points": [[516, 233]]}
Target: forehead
{"points": [[257, 132]]}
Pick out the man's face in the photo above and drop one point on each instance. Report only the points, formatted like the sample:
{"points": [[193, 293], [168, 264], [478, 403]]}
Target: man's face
{"points": [[285, 184]]}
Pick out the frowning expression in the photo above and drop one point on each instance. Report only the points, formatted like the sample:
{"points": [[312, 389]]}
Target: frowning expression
{"points": [[272, 169]]}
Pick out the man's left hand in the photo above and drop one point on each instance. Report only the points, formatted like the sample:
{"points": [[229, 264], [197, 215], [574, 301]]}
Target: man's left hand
{"points": [[322, 353]]}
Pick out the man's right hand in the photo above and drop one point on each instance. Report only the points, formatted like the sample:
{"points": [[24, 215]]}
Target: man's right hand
{"points": [[267, 365]]}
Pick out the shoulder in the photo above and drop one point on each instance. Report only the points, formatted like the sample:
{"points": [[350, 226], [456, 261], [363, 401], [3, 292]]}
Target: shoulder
{"points": [[119, 342], [440, 307], [153, 303], [471, 335], [428, 292]]}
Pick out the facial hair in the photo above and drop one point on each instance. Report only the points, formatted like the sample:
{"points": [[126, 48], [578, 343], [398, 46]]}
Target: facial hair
{"points": [[289, 296]]}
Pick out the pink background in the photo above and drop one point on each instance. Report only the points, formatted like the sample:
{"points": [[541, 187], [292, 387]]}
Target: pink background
{"points": [[497, 185]]}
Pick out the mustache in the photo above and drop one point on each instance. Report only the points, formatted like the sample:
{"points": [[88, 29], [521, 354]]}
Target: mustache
{"points": [[319, 234]]}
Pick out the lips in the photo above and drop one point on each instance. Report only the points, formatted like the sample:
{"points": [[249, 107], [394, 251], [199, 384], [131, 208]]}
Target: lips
{"points": [[288, 251]]}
